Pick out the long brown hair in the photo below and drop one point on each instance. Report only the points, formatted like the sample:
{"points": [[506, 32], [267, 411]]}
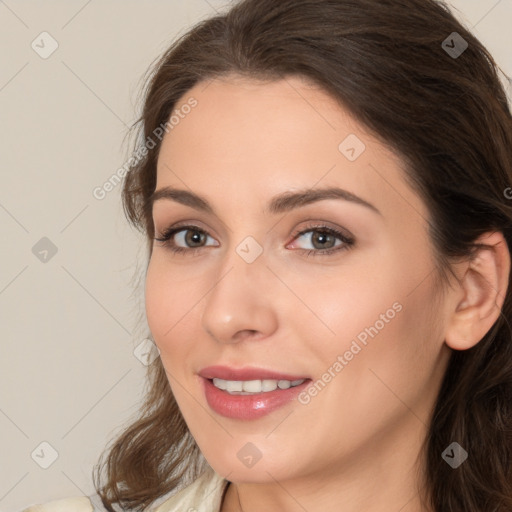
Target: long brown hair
{"points": [[389, 63]]}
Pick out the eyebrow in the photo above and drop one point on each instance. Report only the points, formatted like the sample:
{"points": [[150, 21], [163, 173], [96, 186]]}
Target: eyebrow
{"points": [[281, 203]]}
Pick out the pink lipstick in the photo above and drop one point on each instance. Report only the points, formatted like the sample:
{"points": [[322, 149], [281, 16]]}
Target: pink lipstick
{"points": [[249, 393]]}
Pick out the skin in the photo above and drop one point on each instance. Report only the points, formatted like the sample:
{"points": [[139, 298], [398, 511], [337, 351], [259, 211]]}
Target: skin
{"points": [[356, 445]]}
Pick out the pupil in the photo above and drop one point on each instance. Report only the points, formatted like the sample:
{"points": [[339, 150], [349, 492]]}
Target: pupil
{"points": [[193, 237], [321, 238]]}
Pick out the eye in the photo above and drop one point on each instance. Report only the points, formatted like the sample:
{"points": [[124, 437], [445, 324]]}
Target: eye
{"points": [[191, 238], [323, 240]]}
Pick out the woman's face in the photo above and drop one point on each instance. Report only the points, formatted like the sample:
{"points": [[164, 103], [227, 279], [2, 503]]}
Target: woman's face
{"points": [[354, 313]]}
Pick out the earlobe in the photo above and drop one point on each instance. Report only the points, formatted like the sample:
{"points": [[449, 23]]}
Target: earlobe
{"points": [[484, 286]]}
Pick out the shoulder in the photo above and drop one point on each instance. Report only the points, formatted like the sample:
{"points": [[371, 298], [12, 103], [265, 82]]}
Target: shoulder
{"points": [[203, 495], [77, 504]]}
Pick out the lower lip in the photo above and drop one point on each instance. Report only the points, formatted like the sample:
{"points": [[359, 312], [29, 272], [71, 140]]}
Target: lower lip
{"points": [[249, 407]]}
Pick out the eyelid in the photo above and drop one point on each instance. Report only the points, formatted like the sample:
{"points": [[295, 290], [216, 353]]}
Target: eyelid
{"points": [[190, 224], [342, 234], [322, 225], [347, 239], [169, 232]]}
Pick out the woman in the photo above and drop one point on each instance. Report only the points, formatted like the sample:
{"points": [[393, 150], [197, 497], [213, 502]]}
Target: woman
{"points": [[323, 185]]}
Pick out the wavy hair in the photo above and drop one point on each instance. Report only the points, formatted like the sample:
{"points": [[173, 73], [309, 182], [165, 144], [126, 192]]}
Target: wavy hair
{"points": [[446, 115]]}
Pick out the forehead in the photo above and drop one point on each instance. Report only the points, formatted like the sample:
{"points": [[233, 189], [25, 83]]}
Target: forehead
{"points": [[234, 110], [251, 139]]}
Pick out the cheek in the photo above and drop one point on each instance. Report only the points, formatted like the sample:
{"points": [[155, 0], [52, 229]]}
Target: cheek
{"points": [[379, 321], [167, 319], [344, 302], [157, 301], [169, 303], [173, 300], [397, 358]]}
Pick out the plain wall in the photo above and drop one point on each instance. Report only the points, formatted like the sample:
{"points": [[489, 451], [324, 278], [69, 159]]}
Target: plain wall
{"points": [[70, 323]]}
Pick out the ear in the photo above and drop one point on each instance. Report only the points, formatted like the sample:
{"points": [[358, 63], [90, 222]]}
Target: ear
{"points": [[483, 288]]}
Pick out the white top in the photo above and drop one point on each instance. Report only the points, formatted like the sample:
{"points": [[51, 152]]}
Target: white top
{"points": [[203, 495]]}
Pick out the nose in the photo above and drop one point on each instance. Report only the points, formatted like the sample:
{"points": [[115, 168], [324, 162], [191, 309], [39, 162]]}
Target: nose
{"points": [[241, 303]]}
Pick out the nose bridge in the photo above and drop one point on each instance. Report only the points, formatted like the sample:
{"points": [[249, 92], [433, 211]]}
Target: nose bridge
{"points": [[239, 298]]}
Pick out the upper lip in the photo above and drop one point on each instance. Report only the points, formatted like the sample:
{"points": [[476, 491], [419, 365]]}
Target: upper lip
{"points": [[249, 373]]}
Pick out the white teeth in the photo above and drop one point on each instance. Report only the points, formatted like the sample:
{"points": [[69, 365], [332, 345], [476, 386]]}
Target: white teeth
{"points": [[246, 387], [251, 386], [268, 385], [219, 383], [233, 385]]}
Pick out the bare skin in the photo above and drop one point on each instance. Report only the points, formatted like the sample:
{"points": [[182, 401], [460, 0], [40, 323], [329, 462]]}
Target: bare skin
{"points": [[356, 444]]}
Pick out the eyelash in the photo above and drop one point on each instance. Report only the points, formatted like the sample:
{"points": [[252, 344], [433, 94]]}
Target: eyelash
{"points": [[165, 239]]}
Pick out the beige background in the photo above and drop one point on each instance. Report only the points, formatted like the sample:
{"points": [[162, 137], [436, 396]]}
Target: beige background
{"points": [[69, 326]]}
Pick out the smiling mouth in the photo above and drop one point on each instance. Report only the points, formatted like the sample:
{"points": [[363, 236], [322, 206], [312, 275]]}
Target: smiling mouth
{"points": [[251, 399]]}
